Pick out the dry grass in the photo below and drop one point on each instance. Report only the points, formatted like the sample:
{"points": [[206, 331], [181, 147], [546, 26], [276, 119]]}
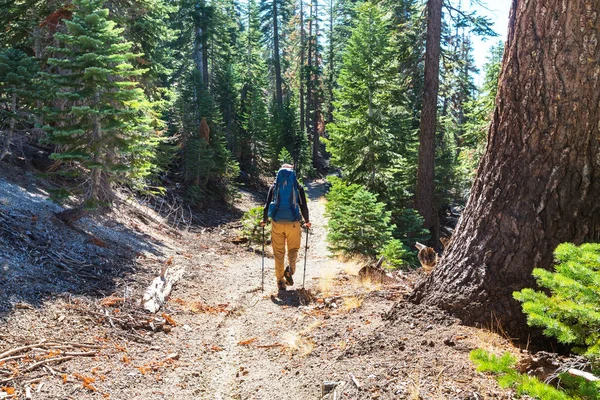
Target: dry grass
{"points": [[351, 303], [493, 340], [368, 285], [326, 281], [295, 343], [311, 327]]}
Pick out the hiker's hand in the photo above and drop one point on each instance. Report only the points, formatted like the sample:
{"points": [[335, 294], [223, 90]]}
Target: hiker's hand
{"points": [[263, 223], [307, 225]]}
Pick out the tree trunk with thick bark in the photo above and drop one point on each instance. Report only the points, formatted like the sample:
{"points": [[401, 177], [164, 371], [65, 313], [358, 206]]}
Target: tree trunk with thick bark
{"points": [[538, 184], [302, 69], [316, 137], [424, 201], [309, 64], [201, 51], [277, 59]]}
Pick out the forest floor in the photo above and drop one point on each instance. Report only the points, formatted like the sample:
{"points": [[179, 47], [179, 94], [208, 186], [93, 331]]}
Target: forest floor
{"points": [[72, 327]]}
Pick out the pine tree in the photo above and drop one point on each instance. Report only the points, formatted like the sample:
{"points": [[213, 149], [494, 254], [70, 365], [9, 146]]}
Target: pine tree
{"points": [[17, 92], [357, 222], [360, 139], [252, 148], [104, 121], [571, 311]]}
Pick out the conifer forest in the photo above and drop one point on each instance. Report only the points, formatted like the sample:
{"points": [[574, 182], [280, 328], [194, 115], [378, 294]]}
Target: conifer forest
{"points": [[451, 247]]}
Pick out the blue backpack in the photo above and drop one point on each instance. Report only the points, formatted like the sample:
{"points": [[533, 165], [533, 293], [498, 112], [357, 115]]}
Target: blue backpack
{"points": [[284, 206]]}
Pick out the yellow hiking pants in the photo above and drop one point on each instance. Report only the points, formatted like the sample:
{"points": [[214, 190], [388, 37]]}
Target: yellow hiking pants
{"points": [[283, 233]]}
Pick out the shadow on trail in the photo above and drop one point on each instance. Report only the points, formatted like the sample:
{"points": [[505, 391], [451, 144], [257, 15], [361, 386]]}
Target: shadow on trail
{"points": [[288, 298], [42, 258]]}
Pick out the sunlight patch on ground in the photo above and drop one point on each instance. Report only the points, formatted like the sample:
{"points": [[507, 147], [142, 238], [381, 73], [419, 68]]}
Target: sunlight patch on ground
{"points": [[351, 303], [368, 285], [295, 343], [327, 275]]}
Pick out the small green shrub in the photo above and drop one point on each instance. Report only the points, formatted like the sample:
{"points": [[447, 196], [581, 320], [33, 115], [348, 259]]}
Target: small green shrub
{"points": [[507, 377], [251, 228], [571, 313], [358, 223], [397, 255], [409, 230]]}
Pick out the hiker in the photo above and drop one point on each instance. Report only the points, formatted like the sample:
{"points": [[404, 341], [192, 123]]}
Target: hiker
{"points": [[286, 206]]}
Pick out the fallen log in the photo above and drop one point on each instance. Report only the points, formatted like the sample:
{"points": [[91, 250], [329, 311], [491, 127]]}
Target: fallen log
{"points": [[160, 288], [582, 374]]}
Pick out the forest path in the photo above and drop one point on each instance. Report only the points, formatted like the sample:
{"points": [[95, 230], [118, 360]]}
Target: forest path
{"points": [[226, 338], [254, 345]]}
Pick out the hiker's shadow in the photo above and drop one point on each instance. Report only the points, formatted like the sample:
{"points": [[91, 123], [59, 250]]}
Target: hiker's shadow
{"points": [[288, 298]]}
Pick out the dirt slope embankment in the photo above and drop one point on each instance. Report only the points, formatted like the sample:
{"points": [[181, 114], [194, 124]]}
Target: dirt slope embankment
{"points": [[72, 327]]}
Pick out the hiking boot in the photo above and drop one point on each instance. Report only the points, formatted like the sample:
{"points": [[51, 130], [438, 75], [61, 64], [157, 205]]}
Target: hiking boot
{"points": [[281, 285], [287, 274]]}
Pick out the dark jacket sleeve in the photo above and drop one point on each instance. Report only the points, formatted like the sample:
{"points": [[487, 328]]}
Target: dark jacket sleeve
{"points": [[269, 200], [303, 204]]}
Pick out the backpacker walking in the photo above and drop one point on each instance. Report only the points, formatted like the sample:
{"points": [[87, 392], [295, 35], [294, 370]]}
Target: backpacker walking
{"points": [[286, 206]]}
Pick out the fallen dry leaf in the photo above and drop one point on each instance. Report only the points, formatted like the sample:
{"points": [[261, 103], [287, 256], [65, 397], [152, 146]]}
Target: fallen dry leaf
{"points": [[144, 369], [111, 301], [86, 381], [120, 348], [247, 342], [8, 390], [169, 319]]}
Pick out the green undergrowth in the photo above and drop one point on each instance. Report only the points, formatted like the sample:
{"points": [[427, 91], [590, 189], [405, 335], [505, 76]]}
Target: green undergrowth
{"points": [[569, 309], [251, 228], [571, 388]]}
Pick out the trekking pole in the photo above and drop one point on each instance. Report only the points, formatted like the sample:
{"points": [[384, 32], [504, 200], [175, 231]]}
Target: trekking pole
{"points": [[262, 284], [305, 252]]}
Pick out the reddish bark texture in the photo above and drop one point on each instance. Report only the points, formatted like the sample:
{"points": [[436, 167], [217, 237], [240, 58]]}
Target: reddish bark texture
{"points": [[538, 184], [424, 202]]}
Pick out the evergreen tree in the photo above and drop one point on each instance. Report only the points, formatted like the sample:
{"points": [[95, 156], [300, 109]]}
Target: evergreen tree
{"points": [[104, 121], [360, 139], [571, 310], [357, 222], [255, 126], [17, 93], [457, 90]]}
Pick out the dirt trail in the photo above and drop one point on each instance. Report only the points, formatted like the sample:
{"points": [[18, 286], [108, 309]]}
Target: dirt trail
{"points": [[229, 340]]}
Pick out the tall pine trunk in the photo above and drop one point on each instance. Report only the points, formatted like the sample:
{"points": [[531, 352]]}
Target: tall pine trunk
{"points": [[329, 116], [315, 88], [201, 51], [538, 183], [424, 198], [277, 60], [309, 72], [302, 69]]}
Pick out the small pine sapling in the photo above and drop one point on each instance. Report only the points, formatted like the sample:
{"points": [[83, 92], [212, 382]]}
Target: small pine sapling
{"points": [[251, 228], [503, 368], [571, 311], [358, 224]]}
